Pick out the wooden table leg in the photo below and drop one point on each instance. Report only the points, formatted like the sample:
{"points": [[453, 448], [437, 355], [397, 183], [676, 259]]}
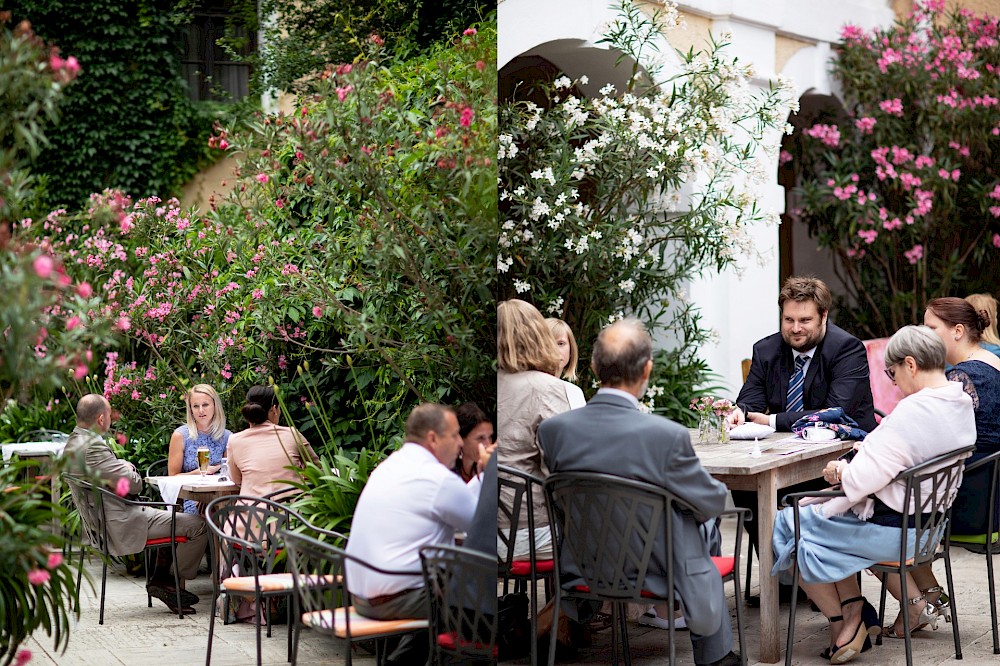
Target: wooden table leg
{"points": [[767, 502]]}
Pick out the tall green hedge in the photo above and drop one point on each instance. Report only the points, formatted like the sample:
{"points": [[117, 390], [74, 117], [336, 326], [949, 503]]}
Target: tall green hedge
{"points": [[127, 123]]}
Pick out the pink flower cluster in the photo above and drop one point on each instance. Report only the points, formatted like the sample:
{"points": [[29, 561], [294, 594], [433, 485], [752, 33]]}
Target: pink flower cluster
{"points": [[828, 134], [914, 254], [865, 125], [893, 107]]}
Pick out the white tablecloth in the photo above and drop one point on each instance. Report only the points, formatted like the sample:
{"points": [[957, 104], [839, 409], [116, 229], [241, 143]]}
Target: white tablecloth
{"points": [[170, 486], [53, 449]]}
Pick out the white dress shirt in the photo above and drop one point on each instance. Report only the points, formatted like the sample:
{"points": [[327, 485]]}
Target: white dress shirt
{"points": [[411, 500]]}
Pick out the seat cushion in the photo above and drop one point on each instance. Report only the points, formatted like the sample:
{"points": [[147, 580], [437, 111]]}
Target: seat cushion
{"points": [[449, 641], [162, 541], [360, 625], [725, 565], [278, 582], [523, 567], [974, 538]]}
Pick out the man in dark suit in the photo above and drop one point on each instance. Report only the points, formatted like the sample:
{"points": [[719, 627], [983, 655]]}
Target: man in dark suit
{"points": [[809, 365], [612, 436]]}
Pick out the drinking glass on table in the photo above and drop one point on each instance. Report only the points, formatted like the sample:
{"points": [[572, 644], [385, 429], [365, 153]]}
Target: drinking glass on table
{"points": [[203, 459]]}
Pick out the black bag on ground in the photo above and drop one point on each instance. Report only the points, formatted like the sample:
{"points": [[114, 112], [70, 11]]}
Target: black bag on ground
{"points": [[513, 626]]}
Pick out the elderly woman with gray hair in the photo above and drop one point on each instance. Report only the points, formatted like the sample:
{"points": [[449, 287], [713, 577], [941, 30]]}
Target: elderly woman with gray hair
{"points": [[844, 535]]}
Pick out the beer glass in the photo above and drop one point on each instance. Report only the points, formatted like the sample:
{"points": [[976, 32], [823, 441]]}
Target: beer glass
{"points": [[203, 459]]}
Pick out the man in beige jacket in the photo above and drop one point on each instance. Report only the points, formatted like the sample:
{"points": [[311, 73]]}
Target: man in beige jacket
{"points": [[129, 526]]}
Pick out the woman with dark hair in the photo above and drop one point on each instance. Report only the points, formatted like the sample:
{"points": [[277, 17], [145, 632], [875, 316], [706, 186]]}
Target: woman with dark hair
{"points": [[475, 428], [259, 456]]}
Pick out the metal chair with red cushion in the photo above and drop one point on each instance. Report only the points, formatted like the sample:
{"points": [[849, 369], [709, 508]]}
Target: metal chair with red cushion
{"points": [[461, 586], [90, 501], [522, 488], [609, 526]]}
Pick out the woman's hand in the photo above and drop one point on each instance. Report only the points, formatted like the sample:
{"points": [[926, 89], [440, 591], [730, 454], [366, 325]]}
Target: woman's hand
{"points": [[833, 471], [484, 454]]}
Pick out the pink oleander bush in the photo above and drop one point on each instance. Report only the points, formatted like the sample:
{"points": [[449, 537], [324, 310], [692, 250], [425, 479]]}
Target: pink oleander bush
{"points": [[905, 189]]}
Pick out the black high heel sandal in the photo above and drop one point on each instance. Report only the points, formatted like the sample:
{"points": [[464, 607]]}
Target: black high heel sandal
{"points": [[868, 628]]}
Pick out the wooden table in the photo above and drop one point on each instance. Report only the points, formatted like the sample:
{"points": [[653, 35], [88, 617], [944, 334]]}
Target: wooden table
{"points": [[732, 464], [200, 490]]}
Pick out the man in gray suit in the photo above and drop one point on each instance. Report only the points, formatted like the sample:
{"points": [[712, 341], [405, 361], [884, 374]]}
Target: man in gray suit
{"points": [[130, 526], [612, 436]]}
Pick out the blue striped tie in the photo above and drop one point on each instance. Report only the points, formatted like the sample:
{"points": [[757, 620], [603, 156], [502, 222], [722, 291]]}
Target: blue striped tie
{"points": [[794, 402]]}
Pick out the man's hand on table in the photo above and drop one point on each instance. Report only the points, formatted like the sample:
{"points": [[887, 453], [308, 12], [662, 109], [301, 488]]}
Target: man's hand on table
{"points": [[737, 418]]}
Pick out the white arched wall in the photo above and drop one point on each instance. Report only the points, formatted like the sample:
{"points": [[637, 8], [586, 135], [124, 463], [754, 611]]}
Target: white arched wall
{"points": [[741, 305]]}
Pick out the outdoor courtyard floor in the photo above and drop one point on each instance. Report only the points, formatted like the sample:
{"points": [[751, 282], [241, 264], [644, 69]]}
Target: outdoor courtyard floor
{"points": [[133, 634]]}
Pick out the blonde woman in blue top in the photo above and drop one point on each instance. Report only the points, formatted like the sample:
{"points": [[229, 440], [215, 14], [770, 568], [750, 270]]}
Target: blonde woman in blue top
{"points": [[205, 427]]}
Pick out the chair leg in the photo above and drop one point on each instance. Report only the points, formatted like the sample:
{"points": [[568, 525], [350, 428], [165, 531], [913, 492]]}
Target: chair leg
{"points": [[289, 620], [626, 653], [615, 629], [104, 582], [257, 626], [791, 613], [904, 599], [993, 595], [746, 593], [533, 642], [738, 603], [554, 631], [79, 578], [881, 607], [954, 611], [211, 629]]}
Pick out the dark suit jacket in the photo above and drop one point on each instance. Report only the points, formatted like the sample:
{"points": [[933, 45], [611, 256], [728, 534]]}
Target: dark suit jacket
{"points": [[837, 377], [609, 435]]}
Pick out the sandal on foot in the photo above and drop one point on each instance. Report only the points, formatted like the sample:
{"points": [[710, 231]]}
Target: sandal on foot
{"points": [[869, 625], [929, 615], [942, 603]]}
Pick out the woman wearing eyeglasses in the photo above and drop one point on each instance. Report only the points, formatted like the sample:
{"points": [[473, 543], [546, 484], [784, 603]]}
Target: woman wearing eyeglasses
{"points": [[844, 535]]}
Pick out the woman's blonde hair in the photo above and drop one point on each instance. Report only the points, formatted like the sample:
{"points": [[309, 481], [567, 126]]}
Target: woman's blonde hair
{"points": [[989, 304], [558, 326], [524, 341], [218, 419]]}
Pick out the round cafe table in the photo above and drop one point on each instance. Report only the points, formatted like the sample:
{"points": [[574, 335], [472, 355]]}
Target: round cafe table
{"points": [[193, 487]]}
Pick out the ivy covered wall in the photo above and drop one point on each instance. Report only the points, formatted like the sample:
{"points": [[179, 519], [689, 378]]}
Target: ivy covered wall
{"points": [[127, 123]]}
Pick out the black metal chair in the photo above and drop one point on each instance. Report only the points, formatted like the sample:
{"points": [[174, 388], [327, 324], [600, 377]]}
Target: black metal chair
{"points": [[158, 468], [323, 602], [91, 502], [609, 527], [43, 435], [985, 544], [463, 611], [941, 475], [246, 549], [522, 487]]}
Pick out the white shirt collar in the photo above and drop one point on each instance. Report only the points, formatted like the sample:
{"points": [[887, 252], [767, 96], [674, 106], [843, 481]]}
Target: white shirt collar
{"points": [[620, 393]]}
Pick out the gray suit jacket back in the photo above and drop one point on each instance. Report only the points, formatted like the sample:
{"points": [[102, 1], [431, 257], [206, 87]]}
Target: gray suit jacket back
{"points": [[128, 525], [609, 435]]}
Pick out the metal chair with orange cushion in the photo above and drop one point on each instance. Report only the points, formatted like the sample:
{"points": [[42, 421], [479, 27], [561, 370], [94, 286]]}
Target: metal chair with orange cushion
{"points": [[942, 474], [246, 547], [322, 600]]}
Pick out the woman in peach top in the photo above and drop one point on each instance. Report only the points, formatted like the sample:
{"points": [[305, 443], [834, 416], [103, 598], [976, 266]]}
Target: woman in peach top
{"points": [[259, 457]]}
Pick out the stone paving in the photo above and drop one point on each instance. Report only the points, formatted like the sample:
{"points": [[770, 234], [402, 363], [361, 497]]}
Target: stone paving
{"points": [[134, 635]]}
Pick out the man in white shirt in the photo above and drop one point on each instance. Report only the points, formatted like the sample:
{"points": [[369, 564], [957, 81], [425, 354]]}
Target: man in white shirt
{"points": [[411, 500]]}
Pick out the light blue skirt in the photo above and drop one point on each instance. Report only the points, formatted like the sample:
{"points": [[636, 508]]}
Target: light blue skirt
{"points": [[831, 549]]}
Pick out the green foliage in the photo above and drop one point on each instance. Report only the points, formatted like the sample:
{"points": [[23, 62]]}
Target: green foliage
{"points": [[306, 37], [18, 418], [128, 123], [904, 188], [31, 86], [26, 541]]}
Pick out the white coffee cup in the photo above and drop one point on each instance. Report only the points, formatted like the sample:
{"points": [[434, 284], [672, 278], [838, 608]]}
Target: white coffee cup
{"points": [[818, 433]]}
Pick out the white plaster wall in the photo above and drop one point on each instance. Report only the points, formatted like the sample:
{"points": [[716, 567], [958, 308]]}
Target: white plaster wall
{"points": [[741, 305]]}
